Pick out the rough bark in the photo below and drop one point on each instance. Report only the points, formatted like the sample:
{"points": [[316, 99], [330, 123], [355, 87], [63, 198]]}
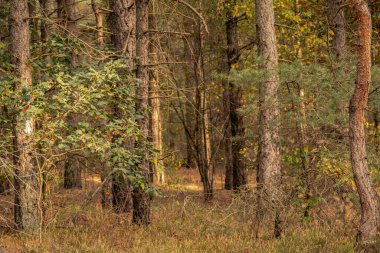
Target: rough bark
{"points": [[234, 135], [367, 193], [141, 200], [268, 174], [27, 208], [336, 19], [122, 22]]}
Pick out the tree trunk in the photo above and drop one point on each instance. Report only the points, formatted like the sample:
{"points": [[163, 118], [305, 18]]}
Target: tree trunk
{"points": [[268, 174], [73, 173], [336, 19], [235, 126], [368, 197], [33, 9], [202, 139], [67, 15], [27, 208], [99, 22], [141, 200], [122, 22], [189, 109], [159, 173]]}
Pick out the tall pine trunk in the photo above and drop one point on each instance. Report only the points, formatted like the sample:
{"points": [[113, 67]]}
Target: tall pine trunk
{"points": [[234, 136], [269, 173], [367, 234], [156, 124], [141, 200], [122, 22], [27, 208]]}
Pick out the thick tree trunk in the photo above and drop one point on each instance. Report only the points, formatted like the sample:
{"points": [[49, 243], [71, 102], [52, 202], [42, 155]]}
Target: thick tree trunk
{"points": [[235, 126], [141, 200], [336, 19], [269, 173], [27, 189], [72, 177], [122, 22], [367, 234]]}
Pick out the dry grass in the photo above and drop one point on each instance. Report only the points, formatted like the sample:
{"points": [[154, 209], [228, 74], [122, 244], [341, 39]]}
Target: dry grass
{"points": [[182, 222]]}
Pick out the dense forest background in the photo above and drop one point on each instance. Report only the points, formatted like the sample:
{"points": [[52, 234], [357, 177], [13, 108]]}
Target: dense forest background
{"points": [[189, 125]]}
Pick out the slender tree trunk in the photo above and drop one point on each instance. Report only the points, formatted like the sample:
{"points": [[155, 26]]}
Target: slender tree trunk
{"points": [[235, 126], [159, 173], [44, 29], [27, 208], [99, 22], [269, 173], [141, 200], [202, 139], [189, 109], [336, 19], [367, 234], [122, 22]]}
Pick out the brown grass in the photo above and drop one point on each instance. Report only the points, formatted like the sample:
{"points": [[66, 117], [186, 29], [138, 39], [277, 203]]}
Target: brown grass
{"points": [[182, 222]]}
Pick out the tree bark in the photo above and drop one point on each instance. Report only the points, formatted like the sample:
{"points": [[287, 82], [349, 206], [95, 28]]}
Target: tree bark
{"points": [[158, 166], [234, 138], [67, 15], [122, 22], [336, 19], [72, 174], [141, 200], [368, 197], [27, 208], [202, 139], [99, 22], [269, 173]]}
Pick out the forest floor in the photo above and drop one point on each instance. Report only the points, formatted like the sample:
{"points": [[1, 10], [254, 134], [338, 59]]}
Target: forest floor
{"points": [[181, 222]]}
